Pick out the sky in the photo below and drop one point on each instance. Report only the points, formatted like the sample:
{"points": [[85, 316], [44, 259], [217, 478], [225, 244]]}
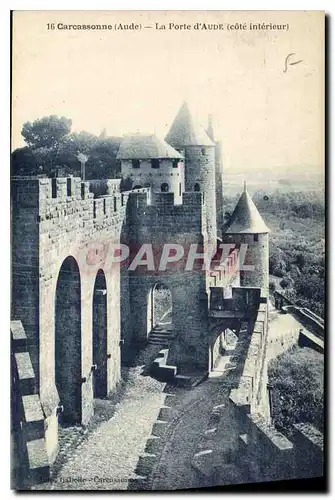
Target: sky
{"points": [[128, 81]]}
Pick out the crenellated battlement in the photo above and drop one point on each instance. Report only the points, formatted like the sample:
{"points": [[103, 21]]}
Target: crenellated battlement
{"points": [[158, 216], [165, 203], [65, 197], [71, 195]]}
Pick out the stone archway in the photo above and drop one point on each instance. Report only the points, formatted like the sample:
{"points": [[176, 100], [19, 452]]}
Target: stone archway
{"points": [[68, 341], [99, 343], [159, 309], [221, 346]]}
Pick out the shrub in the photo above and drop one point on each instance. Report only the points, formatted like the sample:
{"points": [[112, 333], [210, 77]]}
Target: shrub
{"points": [[297, 395]]}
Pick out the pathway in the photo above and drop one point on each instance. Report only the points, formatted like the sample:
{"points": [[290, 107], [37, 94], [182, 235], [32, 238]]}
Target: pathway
{"points": [[107, 457]]}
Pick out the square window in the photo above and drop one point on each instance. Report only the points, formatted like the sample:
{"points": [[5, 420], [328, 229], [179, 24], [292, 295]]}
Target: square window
{"points": [[135, 163], [155, 163]]}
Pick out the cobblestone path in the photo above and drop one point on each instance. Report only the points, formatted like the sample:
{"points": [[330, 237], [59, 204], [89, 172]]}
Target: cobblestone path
{"points": [[173, 471], [105, 458]]}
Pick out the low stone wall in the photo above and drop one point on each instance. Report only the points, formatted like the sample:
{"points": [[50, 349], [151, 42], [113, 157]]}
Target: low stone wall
{"points": [[309, 320], [241, 432], [266, 454]]}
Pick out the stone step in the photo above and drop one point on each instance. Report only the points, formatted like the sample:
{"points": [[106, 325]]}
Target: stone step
{"points": [[163, 343], [154, 337], [161, 334]]}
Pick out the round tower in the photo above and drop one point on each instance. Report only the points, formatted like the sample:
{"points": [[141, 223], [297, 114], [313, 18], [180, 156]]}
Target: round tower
{"points": [[246, 227], [192, 140], [148, 161], [218, 176]]}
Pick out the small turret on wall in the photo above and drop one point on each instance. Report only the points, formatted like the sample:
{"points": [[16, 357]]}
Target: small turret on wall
{"points": [[247, 227]]}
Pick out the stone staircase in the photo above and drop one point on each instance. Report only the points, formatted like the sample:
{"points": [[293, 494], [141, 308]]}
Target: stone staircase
{"points": [[161, 334]]}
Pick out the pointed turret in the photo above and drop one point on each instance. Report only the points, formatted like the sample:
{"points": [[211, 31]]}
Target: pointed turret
{"points": [[192, 140], [210, 130], [246, 227], [185, 131], [246, 218]]}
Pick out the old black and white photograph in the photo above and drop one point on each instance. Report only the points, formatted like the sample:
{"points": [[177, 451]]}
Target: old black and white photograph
{"points": [[167, 249]]}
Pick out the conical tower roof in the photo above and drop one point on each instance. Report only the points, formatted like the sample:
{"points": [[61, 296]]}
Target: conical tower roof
{"points": [[185, 131], [246, 218]]}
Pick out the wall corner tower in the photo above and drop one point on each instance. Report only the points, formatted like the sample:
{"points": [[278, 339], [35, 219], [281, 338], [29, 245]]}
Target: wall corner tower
{"points": [[247, 227]]}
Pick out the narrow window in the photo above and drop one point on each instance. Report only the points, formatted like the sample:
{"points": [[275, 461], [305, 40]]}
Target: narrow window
{"points": [[135, 163], [175, 163], [197, 187], [255, 237], [164, 187], [179, 188], [68, 187], [203, 151], [54, 188], [155, 163]]}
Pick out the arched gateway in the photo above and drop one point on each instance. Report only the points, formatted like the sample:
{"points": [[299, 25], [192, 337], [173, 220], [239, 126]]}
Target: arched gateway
{"points": [[68, 341], [99, 343]]}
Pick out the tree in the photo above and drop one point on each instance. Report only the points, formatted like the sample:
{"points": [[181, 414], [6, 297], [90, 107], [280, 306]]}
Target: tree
{"points": [[300, 260], [286, 283], [47, 132], [24, 162]]}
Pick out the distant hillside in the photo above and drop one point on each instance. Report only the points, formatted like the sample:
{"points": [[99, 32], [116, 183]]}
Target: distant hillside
{"points": [[270, 180]]}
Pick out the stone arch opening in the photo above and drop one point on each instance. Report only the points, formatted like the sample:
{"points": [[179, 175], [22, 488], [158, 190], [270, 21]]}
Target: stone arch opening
{"points": [[164, 187], [99, 332], [68, 341], [159, 315], [138, 186], [221, 348]]}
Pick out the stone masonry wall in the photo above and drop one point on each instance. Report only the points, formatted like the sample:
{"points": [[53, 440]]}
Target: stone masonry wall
{"points": [[161, 223], [219, 187], [25, 264], [200, 169], [59, 218]]}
